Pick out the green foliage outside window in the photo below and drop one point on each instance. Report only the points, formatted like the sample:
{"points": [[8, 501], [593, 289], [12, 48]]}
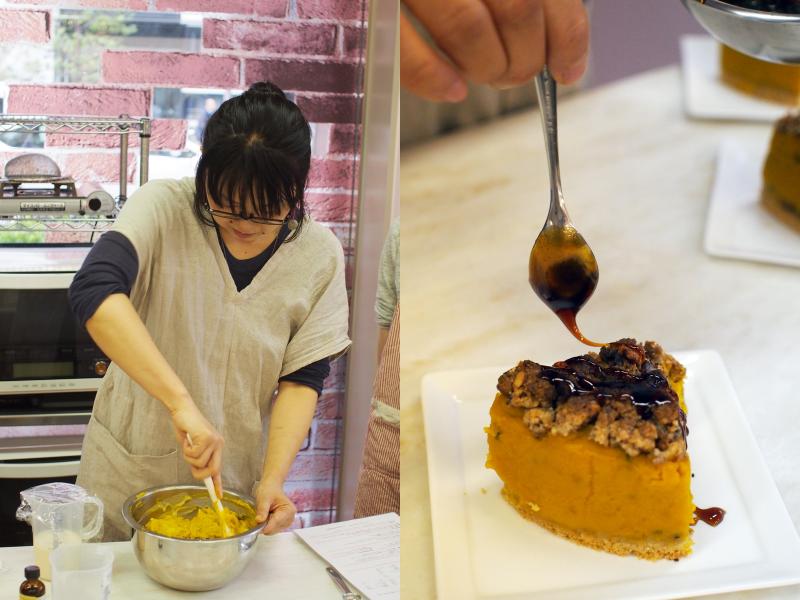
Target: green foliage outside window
{"points": [[23, 237], [80, 41]]}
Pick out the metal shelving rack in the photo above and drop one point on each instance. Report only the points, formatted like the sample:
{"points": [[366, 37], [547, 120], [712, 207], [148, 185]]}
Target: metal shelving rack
{"points": [[122, 126]]}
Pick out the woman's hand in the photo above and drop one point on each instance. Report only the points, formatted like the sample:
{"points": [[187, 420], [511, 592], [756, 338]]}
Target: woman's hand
{"points": [[502, 43], [204, 454], [274, 507]]}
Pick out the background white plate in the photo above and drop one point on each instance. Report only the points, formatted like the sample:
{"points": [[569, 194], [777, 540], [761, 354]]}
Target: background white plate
{"points": [[737, 226], [707, 97], [484, 549]]}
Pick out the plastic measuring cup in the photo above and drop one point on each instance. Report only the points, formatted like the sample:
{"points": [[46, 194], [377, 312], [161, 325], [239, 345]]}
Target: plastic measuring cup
{"points": [[55, 511], [81, 571]]}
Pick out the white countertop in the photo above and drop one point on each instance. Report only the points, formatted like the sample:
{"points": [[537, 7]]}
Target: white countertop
{"points": [[45, 259], [636, 176], [283, 568]]}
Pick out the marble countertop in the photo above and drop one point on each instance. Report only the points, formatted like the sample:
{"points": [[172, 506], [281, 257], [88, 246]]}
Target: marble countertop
{"points": [[636, 177], [283, 567]]}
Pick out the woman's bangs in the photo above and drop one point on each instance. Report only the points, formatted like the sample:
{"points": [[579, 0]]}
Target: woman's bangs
{"points": [[247, 186]]}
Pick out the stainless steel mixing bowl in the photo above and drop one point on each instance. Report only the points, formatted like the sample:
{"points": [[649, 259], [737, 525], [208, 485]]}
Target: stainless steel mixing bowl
{"points": [[770, 36], [190, 565]]}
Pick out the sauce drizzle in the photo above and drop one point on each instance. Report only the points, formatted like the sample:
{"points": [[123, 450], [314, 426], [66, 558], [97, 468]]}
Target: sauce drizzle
{"points": [[711, 516], [582, 376]]}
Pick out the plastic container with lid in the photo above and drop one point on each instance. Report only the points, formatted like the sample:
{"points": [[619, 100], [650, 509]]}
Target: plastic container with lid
{"points": [[57, 512]]}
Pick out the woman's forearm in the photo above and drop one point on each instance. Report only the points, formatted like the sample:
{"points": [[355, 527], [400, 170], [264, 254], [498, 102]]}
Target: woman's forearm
{"points": [[119, 332], [291, 417]]}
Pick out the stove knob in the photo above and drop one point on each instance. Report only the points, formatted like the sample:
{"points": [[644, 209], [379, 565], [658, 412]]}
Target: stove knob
{"points": [[100, 367]]}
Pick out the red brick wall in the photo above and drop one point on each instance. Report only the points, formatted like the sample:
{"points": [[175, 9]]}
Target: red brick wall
{"points": [[311, 48]]}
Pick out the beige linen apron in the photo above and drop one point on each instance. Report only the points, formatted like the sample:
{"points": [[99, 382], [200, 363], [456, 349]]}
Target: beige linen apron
{"points": [[378, 489], [229, 348]]}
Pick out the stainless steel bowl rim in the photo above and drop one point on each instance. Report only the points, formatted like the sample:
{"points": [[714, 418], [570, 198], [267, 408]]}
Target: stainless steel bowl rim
{"points": [[746, 13], [126, 513]]}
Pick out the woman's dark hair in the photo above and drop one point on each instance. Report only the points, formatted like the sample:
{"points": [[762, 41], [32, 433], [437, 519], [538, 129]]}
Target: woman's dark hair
{"points": [[257, 149]]}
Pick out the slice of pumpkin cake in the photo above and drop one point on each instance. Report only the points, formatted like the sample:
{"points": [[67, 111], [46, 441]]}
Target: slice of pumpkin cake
{"points": [[594, 449], [780, 193]]}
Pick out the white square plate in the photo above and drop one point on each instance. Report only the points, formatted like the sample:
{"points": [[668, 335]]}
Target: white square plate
{"points": [[737, 226], [484, 549], [707, 97]]}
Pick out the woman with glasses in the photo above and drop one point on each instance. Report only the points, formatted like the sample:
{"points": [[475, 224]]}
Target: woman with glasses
{"points": [[220, 304]]}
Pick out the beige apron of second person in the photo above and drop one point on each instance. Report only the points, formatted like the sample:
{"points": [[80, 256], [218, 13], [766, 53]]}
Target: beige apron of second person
{"points": [[229, 348]]}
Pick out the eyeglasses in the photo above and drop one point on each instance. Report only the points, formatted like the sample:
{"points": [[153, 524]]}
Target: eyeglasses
{"points": [[229, 215]]}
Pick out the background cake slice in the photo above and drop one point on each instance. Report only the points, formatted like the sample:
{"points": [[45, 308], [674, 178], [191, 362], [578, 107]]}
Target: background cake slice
{"points": [[780, 193], [594, 449]]}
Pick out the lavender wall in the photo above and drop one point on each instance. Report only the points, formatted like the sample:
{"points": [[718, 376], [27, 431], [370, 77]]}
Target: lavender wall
{"points": [[630, 36]]}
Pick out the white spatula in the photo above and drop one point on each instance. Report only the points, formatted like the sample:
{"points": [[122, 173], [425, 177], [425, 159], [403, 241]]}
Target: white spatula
{"points": [[215, 501]]}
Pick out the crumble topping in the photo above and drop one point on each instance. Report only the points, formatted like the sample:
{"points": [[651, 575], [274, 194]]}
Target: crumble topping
{"points": [[789, 124], [622, 394]]}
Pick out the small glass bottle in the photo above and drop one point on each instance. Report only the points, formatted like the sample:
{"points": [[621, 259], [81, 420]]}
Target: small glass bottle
{"points": [[32, 587]]}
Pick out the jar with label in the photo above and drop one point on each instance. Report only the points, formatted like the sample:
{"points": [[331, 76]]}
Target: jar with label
{"points": [[32, 587]]}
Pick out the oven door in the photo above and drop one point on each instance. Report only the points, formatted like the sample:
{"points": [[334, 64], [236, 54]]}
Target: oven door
{"points": [[50, 371], [43, 348], [26, 468]]}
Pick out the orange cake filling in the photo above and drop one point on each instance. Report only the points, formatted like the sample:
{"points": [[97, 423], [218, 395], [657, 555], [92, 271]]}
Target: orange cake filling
{"points": [[594, 471]]}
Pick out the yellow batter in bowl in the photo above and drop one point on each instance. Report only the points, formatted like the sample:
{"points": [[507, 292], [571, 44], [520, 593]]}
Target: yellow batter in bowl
{"points": [[181, 517]]}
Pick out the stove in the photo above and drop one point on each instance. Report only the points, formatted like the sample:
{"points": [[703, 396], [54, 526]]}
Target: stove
{"points": [[33, 187]]}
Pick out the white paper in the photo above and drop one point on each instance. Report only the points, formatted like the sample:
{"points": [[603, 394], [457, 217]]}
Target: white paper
{"points": [[706, 96], [737, 225], [365, 551]]}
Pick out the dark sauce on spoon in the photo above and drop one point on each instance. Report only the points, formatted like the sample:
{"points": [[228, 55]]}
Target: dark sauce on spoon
{"points": [[563, 272], [711, 516]]}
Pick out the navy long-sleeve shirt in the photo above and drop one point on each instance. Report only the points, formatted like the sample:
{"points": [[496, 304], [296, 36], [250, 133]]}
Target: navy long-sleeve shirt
{"points": [[111, 267]]}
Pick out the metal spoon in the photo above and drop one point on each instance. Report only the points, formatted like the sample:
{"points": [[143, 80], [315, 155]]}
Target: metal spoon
{"points": [[562, 269]]}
